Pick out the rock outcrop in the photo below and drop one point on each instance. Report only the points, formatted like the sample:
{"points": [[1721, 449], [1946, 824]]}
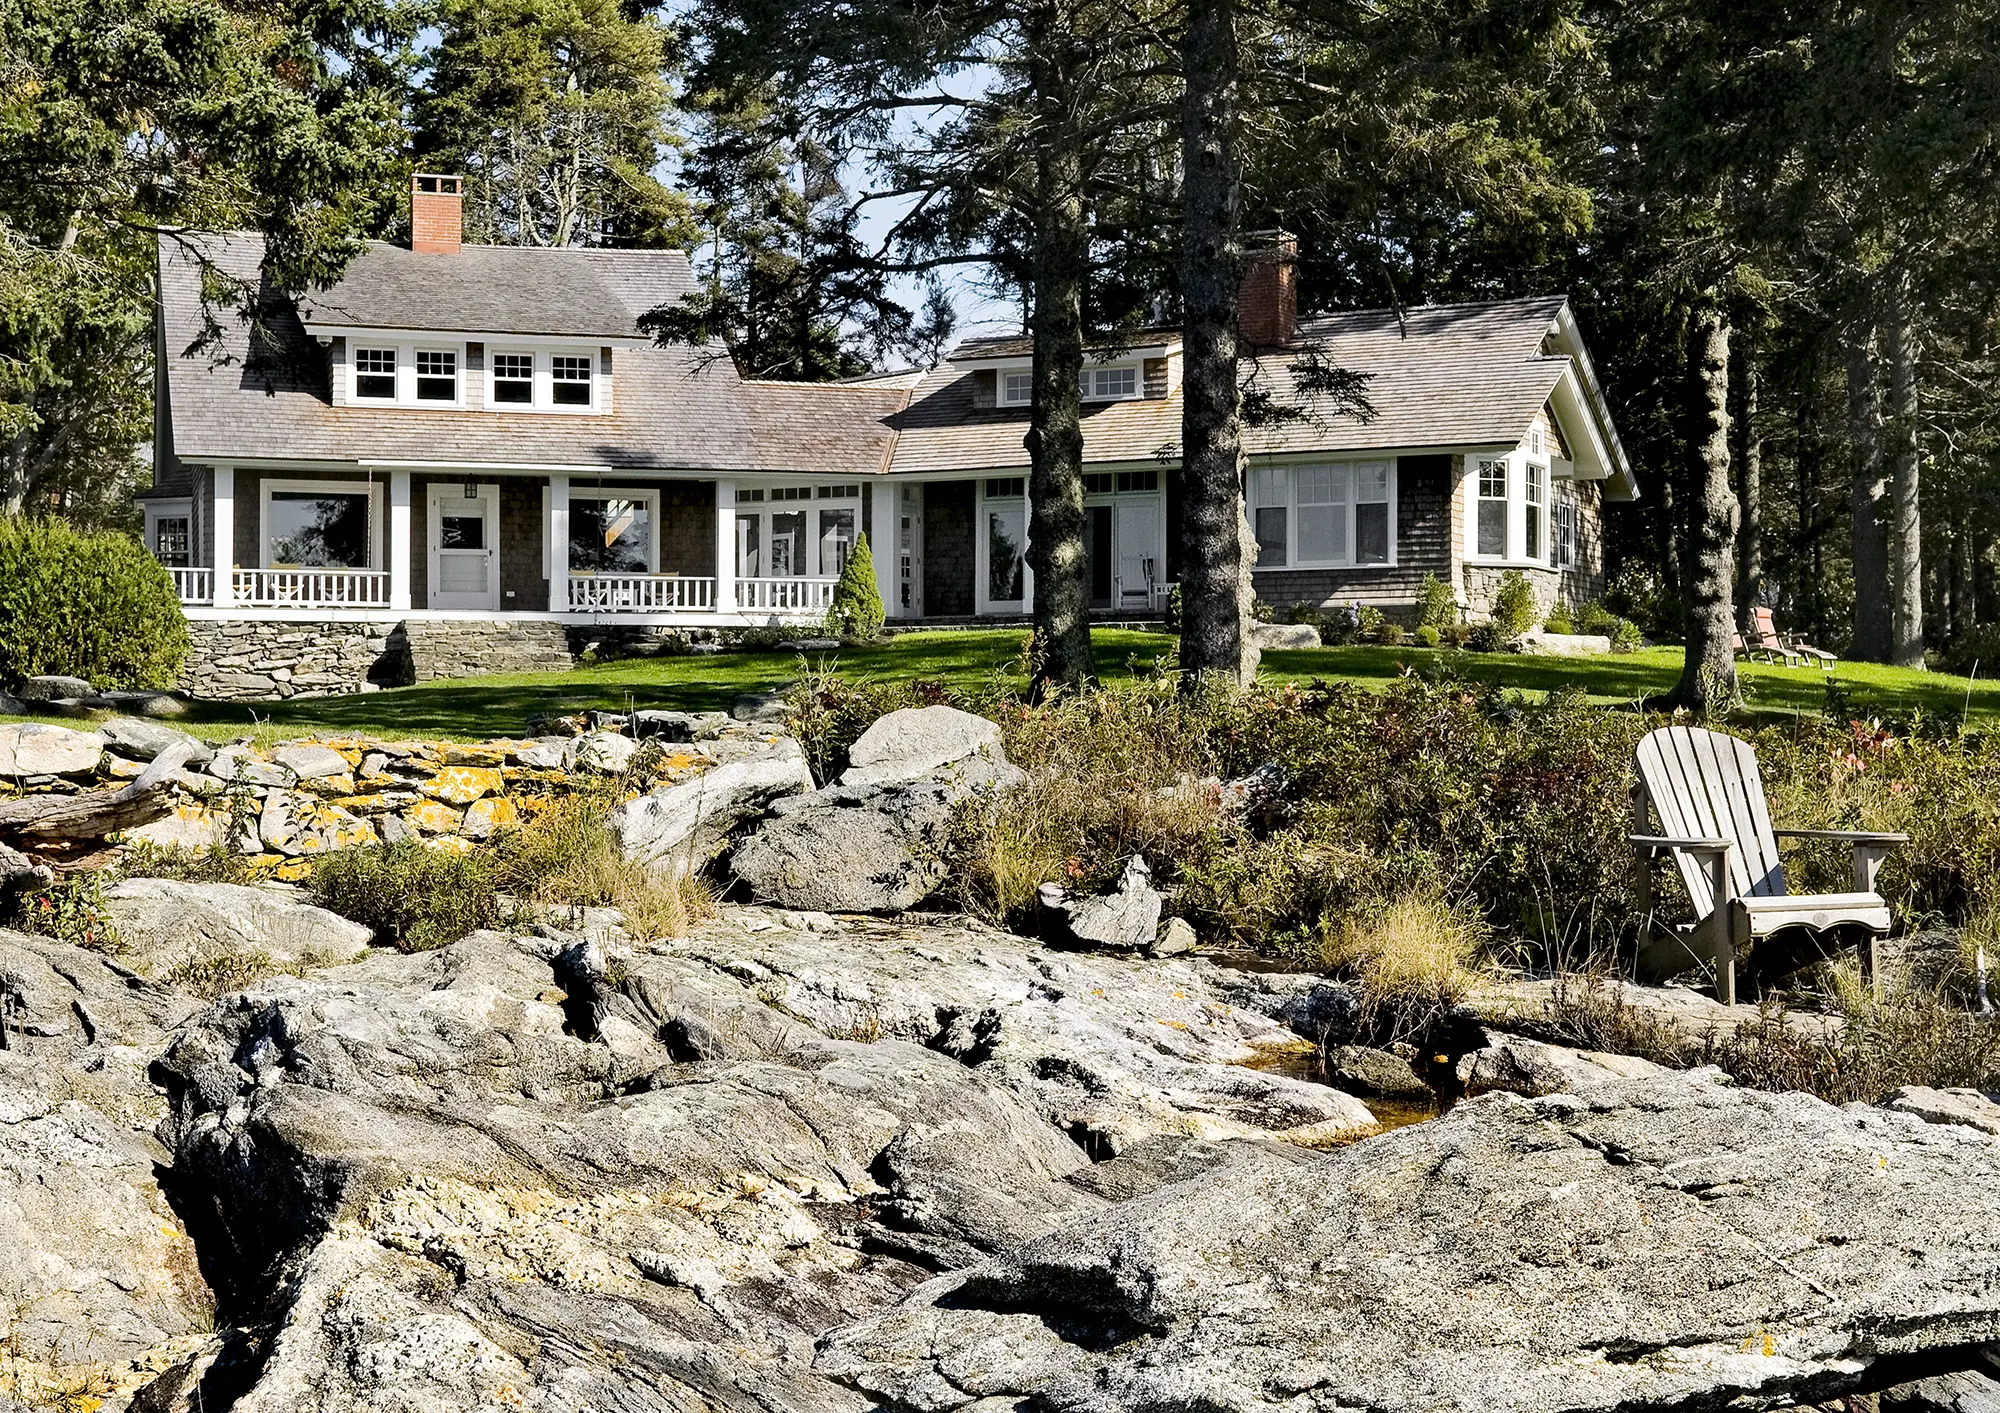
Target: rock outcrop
{"points": [[164, 924], [685, 824], [1666, 1242]]}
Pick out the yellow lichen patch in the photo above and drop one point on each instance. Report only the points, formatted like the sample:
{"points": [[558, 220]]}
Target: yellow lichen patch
{"points": [[292, 870], [462, 784], [432, 817], [450, 843], [492, 753], [485, 816]]}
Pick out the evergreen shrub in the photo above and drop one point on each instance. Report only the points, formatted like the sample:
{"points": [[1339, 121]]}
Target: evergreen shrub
{"points": [[89, 604]]}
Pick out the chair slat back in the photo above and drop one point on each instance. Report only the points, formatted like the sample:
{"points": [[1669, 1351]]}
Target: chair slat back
{"points": [[1704, 784], [1764, 627]]}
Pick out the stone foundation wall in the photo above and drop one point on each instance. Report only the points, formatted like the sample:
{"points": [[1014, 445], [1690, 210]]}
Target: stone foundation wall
{"points": [[442, 648], [252, 661]]}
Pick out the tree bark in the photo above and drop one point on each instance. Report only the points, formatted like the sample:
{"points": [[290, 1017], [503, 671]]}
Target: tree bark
{"points": [[1749, 480], [1061, 262], [1870, 551], [1708, 670], [1905, 527], [1217, 550]]}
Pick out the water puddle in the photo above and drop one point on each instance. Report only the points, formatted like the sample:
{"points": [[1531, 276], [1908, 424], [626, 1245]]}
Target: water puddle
{"points": [[1301, 1060]]}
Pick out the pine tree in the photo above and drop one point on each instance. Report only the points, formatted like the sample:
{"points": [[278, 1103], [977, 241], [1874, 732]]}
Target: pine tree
{"points": [[856, 608]]}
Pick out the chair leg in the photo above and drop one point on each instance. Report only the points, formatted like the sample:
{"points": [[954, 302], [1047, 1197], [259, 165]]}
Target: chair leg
{"points": [[1871, 964]]}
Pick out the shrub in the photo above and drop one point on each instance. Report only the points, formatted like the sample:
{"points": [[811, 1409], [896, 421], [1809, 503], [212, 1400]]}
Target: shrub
{"points": [[413, 896], [1625, 637], [1559, 620], [1513, 605], [1594, 617], [1173, 613], [1456, 634], [86, 604], [1486, 638], [1980, 645], [1389, 634], [1367, 620], [1339, 625], [1637, 595], [1437, 606], [1427, 635], [566, 857], [71, 910], [856, 609]]}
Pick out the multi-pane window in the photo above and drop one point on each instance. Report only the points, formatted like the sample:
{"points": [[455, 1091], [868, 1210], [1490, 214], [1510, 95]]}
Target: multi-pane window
{"points": [[1335, 513], [998, 487], [1537, 510], [375, 373], [569, 384], [514, 377], [1565, 527], [173, 540], [1017, 389], [1493, 509], [437, 375], [1109, 384], [1129, 481]]}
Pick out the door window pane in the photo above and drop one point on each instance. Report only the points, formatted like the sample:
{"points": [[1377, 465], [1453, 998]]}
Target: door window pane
{"points": [[318, 530], [750, 546], [788, 544], [836, 541], [462, 529], [610, 535], [1006, 542], [172, 541]]}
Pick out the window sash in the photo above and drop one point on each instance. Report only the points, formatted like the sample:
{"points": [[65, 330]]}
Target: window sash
{"points": [[1017, 389], [437, 375], [569, 380], [1333, 515], [375, 374]]}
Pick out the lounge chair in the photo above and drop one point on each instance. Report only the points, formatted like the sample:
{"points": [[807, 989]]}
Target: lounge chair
{"points": [[1704, 790], [1765, 627], [1762, 643]]}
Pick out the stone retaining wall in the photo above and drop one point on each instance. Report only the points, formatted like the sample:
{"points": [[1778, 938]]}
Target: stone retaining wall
{"points": [[443, 648], [241, 660]]}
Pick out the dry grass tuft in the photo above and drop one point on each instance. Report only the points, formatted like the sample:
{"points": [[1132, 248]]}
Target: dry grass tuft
{"points": [[566, 857], [1414, 956]]}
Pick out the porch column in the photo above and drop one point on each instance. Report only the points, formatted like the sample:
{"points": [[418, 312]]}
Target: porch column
{"points": [[559, 543], [399, 541], [725, 546], [885, 506], [223, 551]]}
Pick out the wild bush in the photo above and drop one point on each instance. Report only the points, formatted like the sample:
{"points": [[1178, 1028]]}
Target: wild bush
{"points": [[211, 863], [413, 896], [1437, 605], [1426, 636], [1413, 956], [1513, 605], [1559, 620], [567, 857], [86, 604]]}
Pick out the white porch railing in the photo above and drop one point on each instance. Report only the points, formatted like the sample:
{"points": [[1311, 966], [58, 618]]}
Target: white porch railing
{"points": [[194, 585], [638, 593], [785, 595], [315, 588]]}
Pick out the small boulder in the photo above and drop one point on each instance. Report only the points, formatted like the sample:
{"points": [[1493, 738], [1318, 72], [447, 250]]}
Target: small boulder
{"points": [[545, 753], [34, 749], [1126, 919], [809, 645], [165, 923], [310, 762], [604, 751], [682, 826], [152, 704], [1541, 644], [238, 766], [767, 705], [54, 689], [1373, 1074], [1176, 936], [1532, 1069], [143, 740], [851, 849], [12, 706], [918, 741], [1281, 637], [1968, 1108]]}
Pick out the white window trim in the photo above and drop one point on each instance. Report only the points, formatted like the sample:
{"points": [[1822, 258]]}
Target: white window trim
{"points": [[1138, 393], [1138, 371], [982, 554], [534, 357], [1517, 511], [181, 509], [544, 356], [1289, 471], [372, 489], [1000, 387], [577, 493], [406, 374]]}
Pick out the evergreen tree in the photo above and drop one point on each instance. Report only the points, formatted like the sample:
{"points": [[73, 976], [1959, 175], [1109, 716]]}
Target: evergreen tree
{"points": [[856, 610]]}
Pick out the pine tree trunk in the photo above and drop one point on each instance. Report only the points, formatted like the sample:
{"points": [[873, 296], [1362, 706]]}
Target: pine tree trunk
{"points": [[1866, 505], [1061, 264], [1708, 672], [1905, 528], [1216, 548], [1809, 549], [1749, 479]]}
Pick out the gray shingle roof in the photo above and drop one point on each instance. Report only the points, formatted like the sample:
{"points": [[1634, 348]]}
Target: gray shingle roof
{"points": [[502, 289], [675, 408], [1466, 375]]}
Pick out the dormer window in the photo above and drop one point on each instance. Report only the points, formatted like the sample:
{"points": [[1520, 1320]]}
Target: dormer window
{"points": [[570, 380], [375, 374], [514, 377], [1109, 384], [437, 375], [1017, 389]]}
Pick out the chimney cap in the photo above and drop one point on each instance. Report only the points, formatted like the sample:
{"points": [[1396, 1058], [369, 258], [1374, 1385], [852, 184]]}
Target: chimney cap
{"points": [[437, 184]]}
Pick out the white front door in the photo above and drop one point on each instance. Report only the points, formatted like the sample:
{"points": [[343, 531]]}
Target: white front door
{"points": [[1139, 548], [464, 547]]}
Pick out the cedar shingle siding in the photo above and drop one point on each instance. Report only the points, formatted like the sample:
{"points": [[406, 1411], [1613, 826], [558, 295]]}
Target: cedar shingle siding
{"points": [[1423, 522]]}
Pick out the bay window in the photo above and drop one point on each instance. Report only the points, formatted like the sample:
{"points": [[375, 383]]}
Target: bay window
{"points": [[1492, 511], [1533, 546], [1325, 515]]}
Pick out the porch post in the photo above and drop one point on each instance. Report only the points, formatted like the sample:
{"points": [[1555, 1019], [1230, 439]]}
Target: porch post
{"points": [[399, 541], [885, 505], [725, 546], [559, 543], [223, 551]]}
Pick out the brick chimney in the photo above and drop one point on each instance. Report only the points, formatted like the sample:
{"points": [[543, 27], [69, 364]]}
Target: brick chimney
{"points": [[1267, 302], [437, 214]]}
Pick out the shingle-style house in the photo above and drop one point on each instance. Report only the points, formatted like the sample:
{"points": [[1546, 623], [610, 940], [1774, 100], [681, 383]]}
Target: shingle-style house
{"points": [[459, 434]]}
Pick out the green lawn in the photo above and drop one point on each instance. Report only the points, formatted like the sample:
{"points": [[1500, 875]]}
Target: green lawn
{"points": [[479, 707]]}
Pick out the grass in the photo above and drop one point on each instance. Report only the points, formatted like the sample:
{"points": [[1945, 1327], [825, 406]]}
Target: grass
{"points": [[482, 707]]}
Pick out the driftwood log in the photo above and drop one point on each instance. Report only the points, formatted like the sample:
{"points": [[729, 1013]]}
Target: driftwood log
{"points": [[100, 812]]}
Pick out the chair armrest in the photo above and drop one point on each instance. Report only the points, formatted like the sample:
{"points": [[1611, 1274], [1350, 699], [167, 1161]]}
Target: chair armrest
{"points": [[1851, 836], [1656, 842]]}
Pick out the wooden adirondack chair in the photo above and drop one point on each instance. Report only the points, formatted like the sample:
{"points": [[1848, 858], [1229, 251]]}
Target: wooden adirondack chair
{"points": [[1767, 628], [1762, 642], [1705, 791]]}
